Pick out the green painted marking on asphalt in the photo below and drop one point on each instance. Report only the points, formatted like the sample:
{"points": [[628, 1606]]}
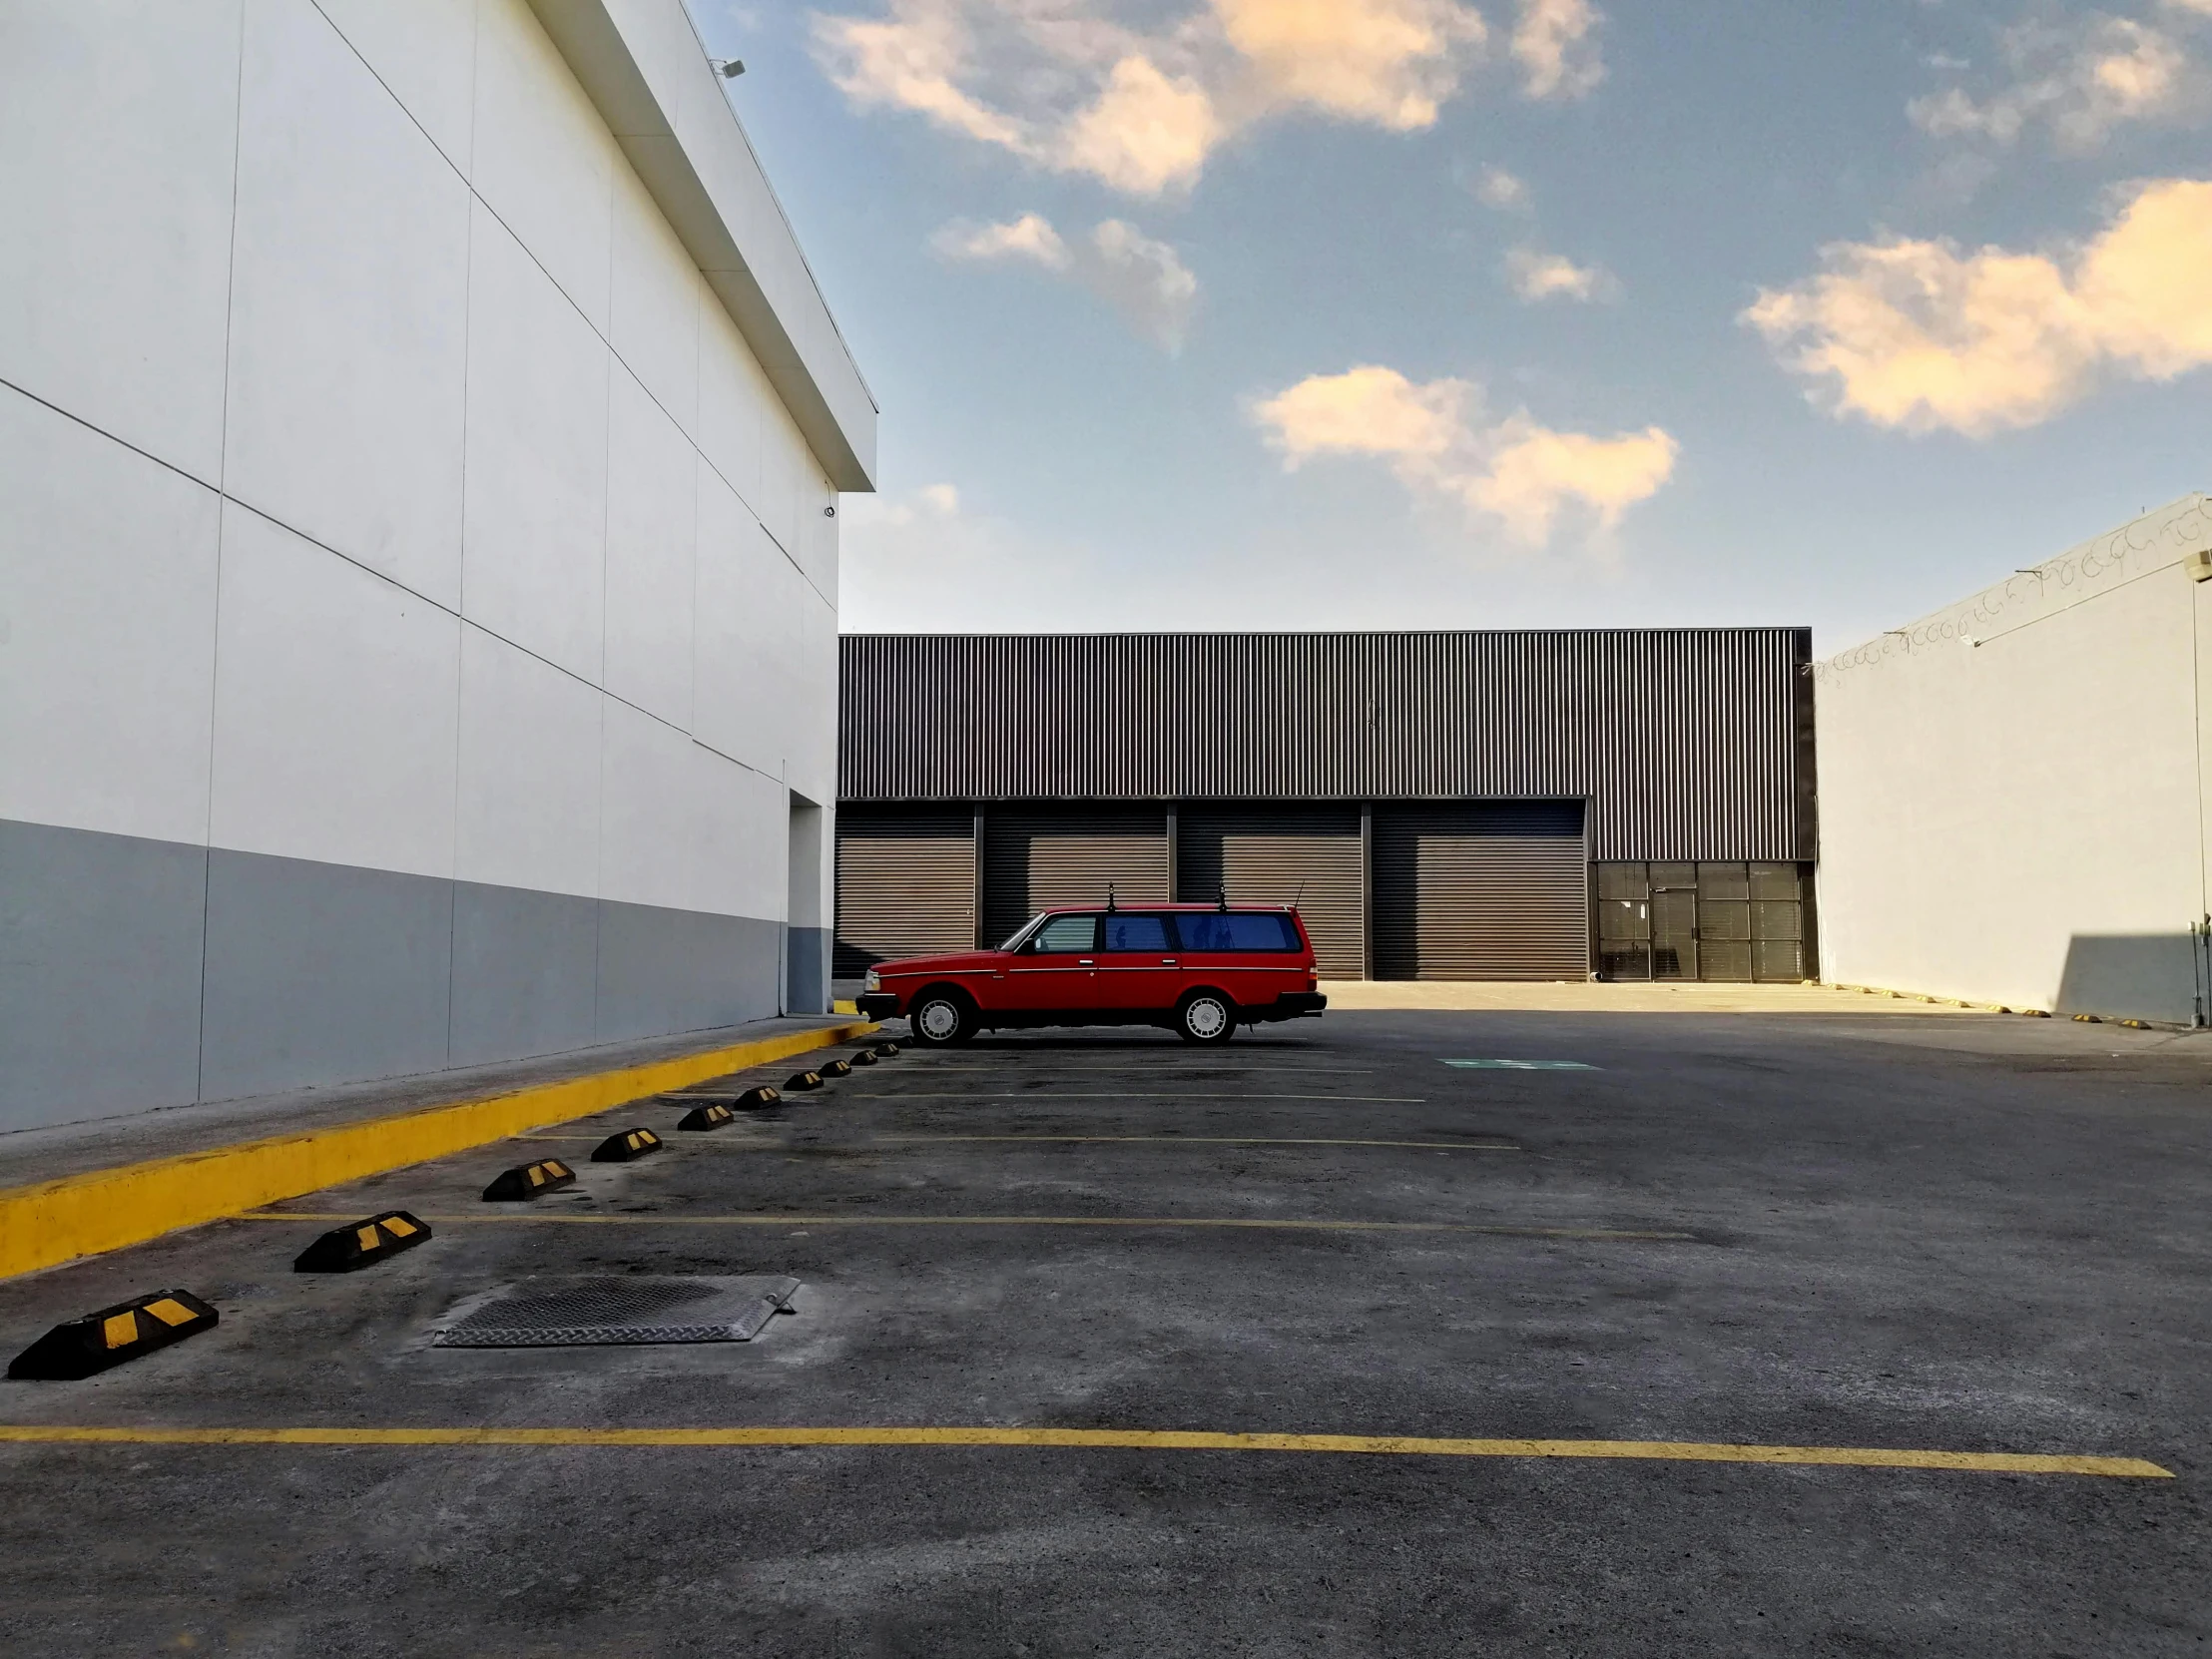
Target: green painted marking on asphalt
{"points": [[1522, 1065]]}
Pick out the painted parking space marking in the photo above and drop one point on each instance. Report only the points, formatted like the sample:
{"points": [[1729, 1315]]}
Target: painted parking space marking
{"points": [[1138, 1440], [1256, 1224], [1523, 1065], [1145, 1094], [1206, 1140], [1157, 1070], [738, 1143]]}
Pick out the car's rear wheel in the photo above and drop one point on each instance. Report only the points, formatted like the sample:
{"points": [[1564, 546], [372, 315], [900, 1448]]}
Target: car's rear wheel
{"points": [[940, 1020], [1206, 1017]]}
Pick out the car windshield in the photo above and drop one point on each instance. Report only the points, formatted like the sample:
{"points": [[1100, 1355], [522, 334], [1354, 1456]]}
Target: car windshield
{"points": [[1013, 939]]}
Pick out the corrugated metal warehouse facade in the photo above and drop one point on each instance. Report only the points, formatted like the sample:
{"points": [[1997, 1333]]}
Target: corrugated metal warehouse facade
{"points": [[1461, 805]]}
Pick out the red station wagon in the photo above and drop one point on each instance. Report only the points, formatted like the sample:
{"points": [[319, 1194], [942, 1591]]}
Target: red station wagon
{"points": [[1200, 969]]}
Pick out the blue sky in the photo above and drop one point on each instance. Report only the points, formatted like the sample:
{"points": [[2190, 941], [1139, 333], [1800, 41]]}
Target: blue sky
{"points": [[1313, 314]]}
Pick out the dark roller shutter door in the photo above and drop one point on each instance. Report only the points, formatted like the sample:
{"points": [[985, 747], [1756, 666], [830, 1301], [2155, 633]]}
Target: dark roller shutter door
{"points": [[1302, 856], [1481, 891], [1035, 859], [906, 885]]}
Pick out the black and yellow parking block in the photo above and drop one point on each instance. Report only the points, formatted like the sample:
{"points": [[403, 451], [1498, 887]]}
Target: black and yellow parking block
{"points": [[626, 1147], [837, 1068], [82, 1348], [712, 1115], [799, 1082], [362, 1243], [885, 1051], [527, 1181], [755, 1098], [863, 1057]]}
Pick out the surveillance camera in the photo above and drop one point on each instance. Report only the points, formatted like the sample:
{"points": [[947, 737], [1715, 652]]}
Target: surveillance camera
{"points": [[728, 68]]}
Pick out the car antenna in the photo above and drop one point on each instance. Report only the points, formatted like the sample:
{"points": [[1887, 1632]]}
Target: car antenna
{"points": [[1223, 904], [1109, 899], [1301, 893]]}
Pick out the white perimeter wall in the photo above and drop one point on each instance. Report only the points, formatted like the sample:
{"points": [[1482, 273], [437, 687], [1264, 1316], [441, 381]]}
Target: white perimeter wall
{"points": [[2021, 820], [384, 486]]}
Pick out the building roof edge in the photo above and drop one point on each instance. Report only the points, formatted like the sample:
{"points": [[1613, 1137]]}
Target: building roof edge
{"points": [[641, 62]]}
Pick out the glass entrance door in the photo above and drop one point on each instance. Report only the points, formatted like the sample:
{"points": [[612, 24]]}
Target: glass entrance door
{"points": [[1674, 921], [1704, 921]]}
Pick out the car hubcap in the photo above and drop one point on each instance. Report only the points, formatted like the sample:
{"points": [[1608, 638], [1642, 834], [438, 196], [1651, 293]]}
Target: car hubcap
{"points": [[940, 1020], [1206, 1017]]}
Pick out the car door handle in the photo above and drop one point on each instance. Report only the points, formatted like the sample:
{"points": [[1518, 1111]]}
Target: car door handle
{"points": [[1167, 961], [1083, 961]]}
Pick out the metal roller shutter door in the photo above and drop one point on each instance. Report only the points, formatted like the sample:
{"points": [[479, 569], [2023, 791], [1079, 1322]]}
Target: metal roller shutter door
{"points": [[1481, 891], [905, 886], [1034, 859], [1302, 856]]}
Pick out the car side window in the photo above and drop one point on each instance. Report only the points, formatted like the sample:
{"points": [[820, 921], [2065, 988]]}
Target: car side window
{"points": [[1064, 934], [1236, 930], [1128, 933]]}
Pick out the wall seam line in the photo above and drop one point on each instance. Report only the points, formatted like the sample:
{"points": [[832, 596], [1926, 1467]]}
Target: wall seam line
{"points": [[214, 645]]}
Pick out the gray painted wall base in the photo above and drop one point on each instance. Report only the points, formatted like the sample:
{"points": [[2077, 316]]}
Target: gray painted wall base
{"points": [[139, 973], [806, 966], [100, 949]]}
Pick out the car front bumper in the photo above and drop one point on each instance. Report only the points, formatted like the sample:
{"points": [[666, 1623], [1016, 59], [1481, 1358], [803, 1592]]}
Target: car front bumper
{"points": [[876, 1004]]}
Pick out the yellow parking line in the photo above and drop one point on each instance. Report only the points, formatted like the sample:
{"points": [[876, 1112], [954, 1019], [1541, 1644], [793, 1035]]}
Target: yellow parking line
{"points": [[1141, 1439], [1079, 1140], [1209, 1140], [1147, 1094], [572, 1219]]}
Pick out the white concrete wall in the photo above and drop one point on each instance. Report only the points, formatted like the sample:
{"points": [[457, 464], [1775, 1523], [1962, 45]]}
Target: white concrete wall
{"points": [[388, 487], [2013, 791]]}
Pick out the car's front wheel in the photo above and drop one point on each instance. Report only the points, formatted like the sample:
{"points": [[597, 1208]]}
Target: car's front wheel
{"points": [[1206, 1017], [940, 1020]]}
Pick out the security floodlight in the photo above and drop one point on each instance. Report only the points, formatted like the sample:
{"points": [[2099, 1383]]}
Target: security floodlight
{"points": [[728, 68]]}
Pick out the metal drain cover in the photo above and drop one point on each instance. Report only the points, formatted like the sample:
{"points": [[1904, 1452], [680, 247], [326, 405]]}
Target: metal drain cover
{"points": [[574, 1312]]}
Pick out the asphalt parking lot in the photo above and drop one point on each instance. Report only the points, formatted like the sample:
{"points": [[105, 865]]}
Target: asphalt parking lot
{"points": [[1969, 1236]]}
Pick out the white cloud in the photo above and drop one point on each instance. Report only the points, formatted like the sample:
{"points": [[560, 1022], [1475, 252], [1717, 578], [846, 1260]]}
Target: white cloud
{"points": [[1534, 473], [930, 504], [1390, 62], [1917, 334], [1068, 86], [1032, 237], [2079, 81], [1503, 190], [1554, 43], [910, 60], [1537, 276], [1145, 131], [1144, 281], [1431, 435], [1369, 410]]}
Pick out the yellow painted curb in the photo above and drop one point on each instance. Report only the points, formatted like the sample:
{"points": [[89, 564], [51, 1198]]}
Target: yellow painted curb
{"points": [[106, 1209], [1142, 1439]]}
